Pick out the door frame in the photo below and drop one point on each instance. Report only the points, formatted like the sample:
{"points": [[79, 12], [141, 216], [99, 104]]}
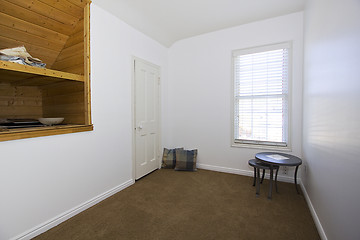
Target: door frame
{"points": [[133, 120]]}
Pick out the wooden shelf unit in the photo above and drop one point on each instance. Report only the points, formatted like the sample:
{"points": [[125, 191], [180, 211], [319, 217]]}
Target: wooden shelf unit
{"points": [[57, 32]]}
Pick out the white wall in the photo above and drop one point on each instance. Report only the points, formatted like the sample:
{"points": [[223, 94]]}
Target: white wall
{"points": [[331, 142], [199, 89], [43, 178]]}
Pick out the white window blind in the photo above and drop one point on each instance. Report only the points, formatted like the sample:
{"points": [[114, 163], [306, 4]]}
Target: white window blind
{"points": [[261, 95]]}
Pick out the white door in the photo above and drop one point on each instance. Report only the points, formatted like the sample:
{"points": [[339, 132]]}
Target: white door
{"points": [[146, 119]]}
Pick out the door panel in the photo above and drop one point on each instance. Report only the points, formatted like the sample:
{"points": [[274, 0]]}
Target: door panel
{"points": [[146, 118]]}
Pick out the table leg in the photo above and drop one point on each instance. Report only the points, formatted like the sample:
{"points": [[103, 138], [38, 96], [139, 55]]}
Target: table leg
{"points": [[271, 181], [276, 174], [296, 169], [254, 176], [262, 178], [258, 182]]}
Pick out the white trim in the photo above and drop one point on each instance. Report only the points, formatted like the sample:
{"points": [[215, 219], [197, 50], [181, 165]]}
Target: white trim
{"points": [[263, 48], [258, 146], [133, 124], [249, 173], [43, 227], [224, 169], [286, 44], [313, 213]]}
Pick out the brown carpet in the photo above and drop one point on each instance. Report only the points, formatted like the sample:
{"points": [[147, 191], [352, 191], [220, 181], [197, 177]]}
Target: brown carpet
{"points": [[193, 205]]}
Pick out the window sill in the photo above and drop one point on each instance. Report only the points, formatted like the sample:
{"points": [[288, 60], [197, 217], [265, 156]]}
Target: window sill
{"points": [[15, 134], [260, 146]]}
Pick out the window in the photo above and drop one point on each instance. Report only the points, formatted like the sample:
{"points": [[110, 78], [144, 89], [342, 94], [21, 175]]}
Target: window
{"points": [[261, 96]]}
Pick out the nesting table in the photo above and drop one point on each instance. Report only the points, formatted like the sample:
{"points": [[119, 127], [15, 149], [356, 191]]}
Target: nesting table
{"points": [[280, 159]]}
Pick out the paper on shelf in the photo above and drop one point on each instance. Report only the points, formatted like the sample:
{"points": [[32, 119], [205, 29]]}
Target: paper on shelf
{"points": [[21, 56]]}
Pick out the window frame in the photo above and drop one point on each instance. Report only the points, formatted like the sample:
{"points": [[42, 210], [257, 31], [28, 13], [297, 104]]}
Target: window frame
{"points": [[254, 143]]}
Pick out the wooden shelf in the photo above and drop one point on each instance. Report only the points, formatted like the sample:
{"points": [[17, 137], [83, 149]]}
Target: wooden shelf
{"points": [[18, 74], [14, 134], [58, 33]]}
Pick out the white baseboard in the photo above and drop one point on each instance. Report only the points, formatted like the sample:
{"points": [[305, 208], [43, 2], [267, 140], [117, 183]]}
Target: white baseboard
{"points": [[313, 213], [72, 212], [224, 169], [249, 173]]}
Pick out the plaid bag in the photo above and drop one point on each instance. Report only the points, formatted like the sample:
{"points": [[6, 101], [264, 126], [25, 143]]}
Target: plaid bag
{"points": [[169, 158], [185, 160]]}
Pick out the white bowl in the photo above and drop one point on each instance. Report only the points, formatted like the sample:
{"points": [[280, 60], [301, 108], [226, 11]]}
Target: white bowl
{"points": [[50, 121]]}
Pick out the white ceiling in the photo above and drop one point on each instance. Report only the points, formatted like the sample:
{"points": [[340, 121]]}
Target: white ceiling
{"points": [[168, 21]]}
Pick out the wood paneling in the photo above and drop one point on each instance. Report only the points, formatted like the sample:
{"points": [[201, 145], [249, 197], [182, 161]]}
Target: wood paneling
{"points": [[30, 28], [79, 26], [11, 33], [87, 68], [43, 27], [68, 21], [77, 69], [29, 15], [80, 3], [46, 55], [73, 52], [20, 101], [74, 39], [75, 59], [65, 6], [40, 42], [64, 100]]}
